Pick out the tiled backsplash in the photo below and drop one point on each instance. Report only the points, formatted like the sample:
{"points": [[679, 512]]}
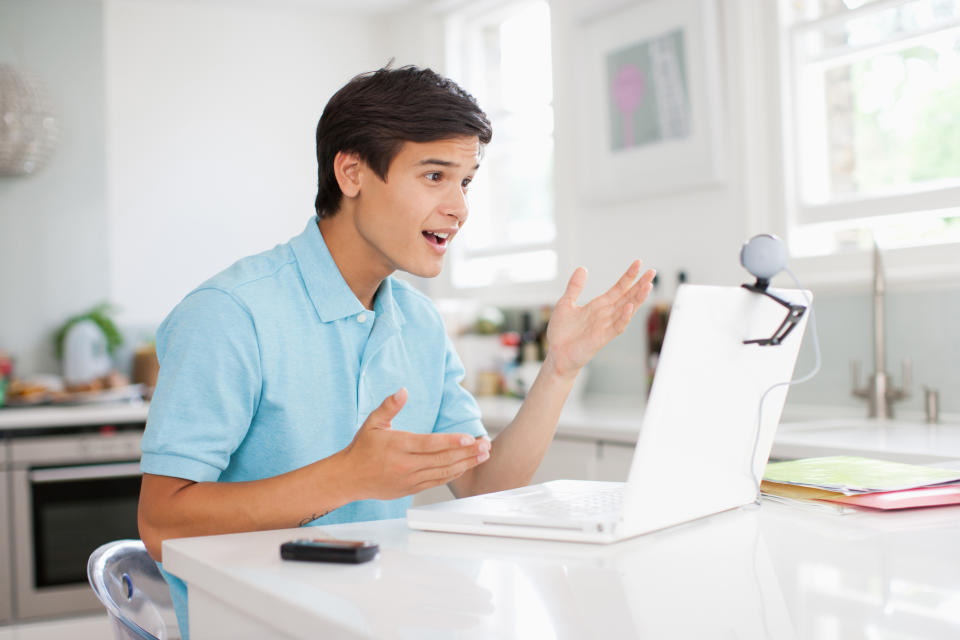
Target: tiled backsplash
{"points": [[923, 326]]}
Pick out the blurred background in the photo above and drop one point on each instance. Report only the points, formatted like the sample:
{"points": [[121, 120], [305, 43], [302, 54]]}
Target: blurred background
{"points": [[173, 137], [146, 145]]}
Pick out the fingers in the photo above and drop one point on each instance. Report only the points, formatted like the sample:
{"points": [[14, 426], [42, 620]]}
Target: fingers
{"points": [[624, 319], [641, 289], [380, 417], [434, 442], [478, 451], [575, 285], [621, 285], [434, 476]]}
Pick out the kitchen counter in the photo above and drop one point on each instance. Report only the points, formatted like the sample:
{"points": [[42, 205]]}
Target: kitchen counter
{"points": [[800, 435], [903, 441], [608, 420], [13, 418], [773, 572]]}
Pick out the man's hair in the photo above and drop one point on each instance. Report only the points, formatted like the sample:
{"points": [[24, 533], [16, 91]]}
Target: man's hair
{"points": [[376, 112]]}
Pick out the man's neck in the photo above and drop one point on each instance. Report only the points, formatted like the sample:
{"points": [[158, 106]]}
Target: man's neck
{"points": [[362, 272]]}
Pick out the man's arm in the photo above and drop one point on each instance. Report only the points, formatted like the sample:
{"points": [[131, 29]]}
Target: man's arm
{"points": [[574, 335], [378, 464]]}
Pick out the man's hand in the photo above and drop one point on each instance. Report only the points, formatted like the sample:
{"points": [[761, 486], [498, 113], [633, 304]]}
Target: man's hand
{"points": [[576, 333], [385, 464]]}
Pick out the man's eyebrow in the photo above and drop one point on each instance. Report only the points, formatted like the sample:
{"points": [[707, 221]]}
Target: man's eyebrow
{"points": [[444, 163]]}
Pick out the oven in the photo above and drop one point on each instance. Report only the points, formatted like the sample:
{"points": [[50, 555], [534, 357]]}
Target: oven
{"points": [[71, 490]]}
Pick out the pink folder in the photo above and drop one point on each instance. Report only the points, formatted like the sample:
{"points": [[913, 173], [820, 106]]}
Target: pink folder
{"points": [[905, 499]]}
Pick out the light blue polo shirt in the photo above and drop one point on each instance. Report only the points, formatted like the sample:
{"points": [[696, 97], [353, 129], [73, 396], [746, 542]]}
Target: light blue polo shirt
{"points": [[274, 364]]}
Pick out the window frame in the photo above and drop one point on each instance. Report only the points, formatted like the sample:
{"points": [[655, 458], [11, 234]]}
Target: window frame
{"points": [[926, 265], [459, 20]]}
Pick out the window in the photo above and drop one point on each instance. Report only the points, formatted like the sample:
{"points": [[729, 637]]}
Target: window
{"points": [[500, 52], [874, 89]]}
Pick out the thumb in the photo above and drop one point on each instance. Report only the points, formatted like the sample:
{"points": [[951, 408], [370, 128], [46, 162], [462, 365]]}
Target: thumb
{"points": [[387, 411]]}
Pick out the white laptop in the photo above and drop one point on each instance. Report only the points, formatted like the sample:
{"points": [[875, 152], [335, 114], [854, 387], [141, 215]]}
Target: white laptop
{"points": [[695, 453]]}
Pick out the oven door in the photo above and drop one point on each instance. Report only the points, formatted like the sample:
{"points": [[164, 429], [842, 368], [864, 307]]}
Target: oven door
{"points": [[61, 514]]}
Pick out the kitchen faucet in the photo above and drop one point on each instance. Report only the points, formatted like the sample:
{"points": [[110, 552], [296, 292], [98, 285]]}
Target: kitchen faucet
{"points": [[880, 391]]}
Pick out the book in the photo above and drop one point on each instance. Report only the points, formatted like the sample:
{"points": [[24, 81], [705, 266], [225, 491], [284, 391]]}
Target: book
{"points": [[851, 475]]}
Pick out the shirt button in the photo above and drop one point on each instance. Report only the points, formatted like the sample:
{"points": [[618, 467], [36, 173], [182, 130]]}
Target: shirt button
{"points": [[361, 318]]}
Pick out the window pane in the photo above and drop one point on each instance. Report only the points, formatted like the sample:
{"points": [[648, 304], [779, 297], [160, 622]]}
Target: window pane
{"points": [[525, 71], [513, 203], [878, 27], [814, 9], [878, 107], [532, 266], [507, 64]]}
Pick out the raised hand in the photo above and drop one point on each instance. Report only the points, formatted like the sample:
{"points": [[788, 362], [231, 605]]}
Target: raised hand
{"points": [[385, 464], [576, 333]]}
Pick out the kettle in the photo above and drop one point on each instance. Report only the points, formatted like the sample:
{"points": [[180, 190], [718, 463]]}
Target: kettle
{"points": [[85, 356]]}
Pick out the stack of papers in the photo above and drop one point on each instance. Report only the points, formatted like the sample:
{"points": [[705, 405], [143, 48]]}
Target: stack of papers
{"points": [[861, 482]]}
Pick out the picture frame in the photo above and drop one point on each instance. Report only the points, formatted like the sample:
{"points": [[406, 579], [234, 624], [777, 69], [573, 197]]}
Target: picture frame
{"points": [[650, 109]]}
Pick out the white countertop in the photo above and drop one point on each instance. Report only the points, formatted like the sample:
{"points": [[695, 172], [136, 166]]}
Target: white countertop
{"points": [[912, 442], [12, 418], [774, 572], [612, 420], [797, 437], [606, 420]]}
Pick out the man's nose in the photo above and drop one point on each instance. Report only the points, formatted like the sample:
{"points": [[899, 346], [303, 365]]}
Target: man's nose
{"points": [[456, 206]]}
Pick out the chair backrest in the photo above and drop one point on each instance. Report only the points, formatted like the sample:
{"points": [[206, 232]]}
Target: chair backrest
{"points": [[130, 586]]}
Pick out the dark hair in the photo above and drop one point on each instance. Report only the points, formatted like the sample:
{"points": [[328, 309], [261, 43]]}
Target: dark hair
{"points": [[376, 112]]}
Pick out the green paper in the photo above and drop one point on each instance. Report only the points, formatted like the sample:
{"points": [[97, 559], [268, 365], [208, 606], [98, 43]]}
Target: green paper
{"points": [[851, 475]]}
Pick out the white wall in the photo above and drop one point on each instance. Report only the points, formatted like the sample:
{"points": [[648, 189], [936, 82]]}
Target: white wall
{"points": [[212, 110], [53, 224], [188, 142], [699, 230]]}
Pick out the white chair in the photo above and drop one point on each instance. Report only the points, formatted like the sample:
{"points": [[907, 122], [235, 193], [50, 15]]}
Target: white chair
{"points": [[130, 586]]}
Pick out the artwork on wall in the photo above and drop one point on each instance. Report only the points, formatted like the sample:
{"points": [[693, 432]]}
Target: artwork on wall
{"points": [[649, 112]]}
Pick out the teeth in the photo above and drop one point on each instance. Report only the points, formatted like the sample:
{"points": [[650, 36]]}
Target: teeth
{"points": [[442, 236]]}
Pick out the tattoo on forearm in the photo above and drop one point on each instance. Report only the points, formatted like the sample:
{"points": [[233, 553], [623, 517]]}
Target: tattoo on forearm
{"points": [[311, 518]]}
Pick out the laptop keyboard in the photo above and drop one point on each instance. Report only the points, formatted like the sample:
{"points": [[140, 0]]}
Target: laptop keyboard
{"points": [[575, 504]]}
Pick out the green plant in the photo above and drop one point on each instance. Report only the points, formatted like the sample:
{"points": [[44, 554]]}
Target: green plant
{"points": [[99, 315]]}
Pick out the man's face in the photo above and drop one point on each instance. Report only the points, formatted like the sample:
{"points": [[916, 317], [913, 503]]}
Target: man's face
{"points": [[410, 219]]}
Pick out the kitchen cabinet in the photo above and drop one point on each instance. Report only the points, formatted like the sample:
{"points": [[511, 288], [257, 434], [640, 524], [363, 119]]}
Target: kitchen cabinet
{"points": [[567, 459], [69, 481]]}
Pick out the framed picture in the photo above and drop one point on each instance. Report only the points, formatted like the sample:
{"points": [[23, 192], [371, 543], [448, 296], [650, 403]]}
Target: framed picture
{"points": [[649, 100]]}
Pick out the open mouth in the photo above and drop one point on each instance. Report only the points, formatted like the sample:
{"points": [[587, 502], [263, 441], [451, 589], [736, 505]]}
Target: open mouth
{"points": [[437, 238]]}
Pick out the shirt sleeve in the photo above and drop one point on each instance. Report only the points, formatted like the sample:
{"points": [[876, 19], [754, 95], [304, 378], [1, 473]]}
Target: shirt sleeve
{"points": [[459, 412], [208, 388]]}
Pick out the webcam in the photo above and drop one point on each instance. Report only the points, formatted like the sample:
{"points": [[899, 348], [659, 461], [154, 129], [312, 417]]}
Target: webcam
{"points": [[764, 256]]}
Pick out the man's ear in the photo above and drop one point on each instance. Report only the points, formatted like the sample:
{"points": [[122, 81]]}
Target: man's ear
{"points": [[346, 167]]}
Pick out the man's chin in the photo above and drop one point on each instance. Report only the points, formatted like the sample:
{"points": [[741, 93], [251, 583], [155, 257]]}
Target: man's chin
{"points": [[431, 271]]}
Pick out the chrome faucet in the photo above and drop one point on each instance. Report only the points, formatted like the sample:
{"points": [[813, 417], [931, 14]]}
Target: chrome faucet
{"points": [[880, 391]]}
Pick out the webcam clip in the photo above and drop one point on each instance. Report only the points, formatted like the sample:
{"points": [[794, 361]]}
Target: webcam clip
{"points": [[794, 313]]}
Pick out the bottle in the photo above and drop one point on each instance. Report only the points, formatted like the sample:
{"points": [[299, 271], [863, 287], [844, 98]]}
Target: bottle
{"points": [[657, 327], [529, 345], [527, 363], [545, 312]]}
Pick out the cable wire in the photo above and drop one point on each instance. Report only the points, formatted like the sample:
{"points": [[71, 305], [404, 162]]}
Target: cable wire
{"points": [[805, 378]]}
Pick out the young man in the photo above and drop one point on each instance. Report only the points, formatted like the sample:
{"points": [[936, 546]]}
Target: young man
{"points": [[305, 386]]}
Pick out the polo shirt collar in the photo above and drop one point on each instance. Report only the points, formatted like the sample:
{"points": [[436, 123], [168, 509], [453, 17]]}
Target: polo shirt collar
{"points": [[331, 295]]}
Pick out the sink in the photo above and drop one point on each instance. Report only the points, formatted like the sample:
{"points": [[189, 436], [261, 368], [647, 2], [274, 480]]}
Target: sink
{"points": [[900, 440]]}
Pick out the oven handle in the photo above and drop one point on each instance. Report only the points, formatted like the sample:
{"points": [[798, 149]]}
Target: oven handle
{"points": [[88, 472]]}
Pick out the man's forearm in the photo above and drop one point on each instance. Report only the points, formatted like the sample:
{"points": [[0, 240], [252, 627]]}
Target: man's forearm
{"points": [[517, 451], [176, 508]]}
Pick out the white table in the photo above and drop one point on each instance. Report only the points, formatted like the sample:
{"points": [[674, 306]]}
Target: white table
{"points": [[773, 572]]}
